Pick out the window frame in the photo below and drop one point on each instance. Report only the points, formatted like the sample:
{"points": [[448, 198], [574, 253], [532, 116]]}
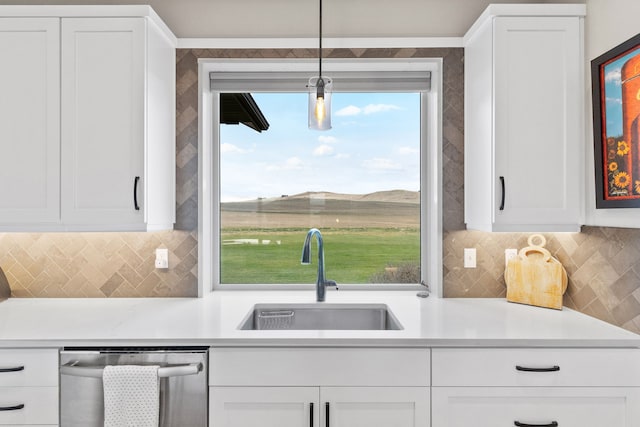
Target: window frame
{"points": [[209, 158]]}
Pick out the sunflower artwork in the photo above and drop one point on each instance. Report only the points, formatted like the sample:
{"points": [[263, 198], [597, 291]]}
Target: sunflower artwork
{"points": [[616, 106]]}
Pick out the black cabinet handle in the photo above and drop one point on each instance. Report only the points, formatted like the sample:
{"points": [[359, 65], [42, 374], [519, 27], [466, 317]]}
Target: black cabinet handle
{"points": [[326, 413], [12, 408], [16, 369], [551, 424], [503, 193], [555, 368], [311, 414], [135, 193]]}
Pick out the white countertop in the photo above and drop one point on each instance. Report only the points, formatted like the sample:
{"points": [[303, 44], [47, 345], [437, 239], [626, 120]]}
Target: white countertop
{"points": [[214, 320]]}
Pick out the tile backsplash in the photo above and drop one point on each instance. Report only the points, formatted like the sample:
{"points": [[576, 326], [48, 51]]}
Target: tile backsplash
{"points": [[603, 263], [99, 264]]}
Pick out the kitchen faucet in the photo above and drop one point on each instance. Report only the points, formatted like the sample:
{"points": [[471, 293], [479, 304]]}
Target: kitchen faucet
{"points": [[321, 282]]}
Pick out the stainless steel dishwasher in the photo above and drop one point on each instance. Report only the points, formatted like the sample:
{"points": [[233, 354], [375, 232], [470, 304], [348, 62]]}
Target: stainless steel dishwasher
{"points": [[183, 383]]}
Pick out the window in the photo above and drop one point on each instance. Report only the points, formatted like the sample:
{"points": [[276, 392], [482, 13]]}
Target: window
{"points": [[359, 183], [365, 184]]}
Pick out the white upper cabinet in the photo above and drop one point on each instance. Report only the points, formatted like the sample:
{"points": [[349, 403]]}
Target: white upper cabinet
{"points": [[524, 119], [109, 125], [102, 120], [29, 120]]}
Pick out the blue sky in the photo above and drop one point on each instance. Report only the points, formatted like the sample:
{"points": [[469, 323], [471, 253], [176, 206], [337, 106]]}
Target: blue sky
{"points": [[613, 93], [373, 145]]}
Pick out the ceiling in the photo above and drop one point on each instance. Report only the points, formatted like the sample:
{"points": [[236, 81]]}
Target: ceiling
{"points": [[298, 18]]}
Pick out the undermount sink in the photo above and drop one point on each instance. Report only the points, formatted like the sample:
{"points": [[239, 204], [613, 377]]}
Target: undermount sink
{"points": [[320, 316]]}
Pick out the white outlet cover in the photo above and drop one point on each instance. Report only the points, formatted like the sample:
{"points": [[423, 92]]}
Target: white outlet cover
{"points": [[162, 258], [469, 257], [509, 254]]}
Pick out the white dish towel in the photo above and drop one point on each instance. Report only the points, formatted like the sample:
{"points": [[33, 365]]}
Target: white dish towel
{"points": [[131, 396]]}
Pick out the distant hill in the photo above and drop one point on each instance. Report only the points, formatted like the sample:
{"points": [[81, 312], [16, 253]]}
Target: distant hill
{"points": [[390, 196], [323, 208]]}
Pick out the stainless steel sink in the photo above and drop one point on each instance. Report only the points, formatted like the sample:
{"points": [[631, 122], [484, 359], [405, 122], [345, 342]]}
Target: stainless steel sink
{"points": [[321, 316]]}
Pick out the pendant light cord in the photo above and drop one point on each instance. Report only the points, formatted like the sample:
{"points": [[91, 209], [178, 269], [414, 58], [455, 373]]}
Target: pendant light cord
{"points": [[320, 40]]}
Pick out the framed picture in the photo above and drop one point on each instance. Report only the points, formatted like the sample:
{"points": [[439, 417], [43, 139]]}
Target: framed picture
{"points": [[616, 125]]}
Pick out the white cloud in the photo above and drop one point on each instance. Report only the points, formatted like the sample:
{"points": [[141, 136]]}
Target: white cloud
{"points": [[379, 108], [343, 156], [614, 76], [408, 150], [323, 150], [614, 100], [292, 163], [381, 164], [225, 147], [327, 139], [350, 110]]}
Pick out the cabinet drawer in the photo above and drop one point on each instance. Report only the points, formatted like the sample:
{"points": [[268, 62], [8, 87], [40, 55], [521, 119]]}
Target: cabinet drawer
{"points": [[319, 366], [28, 367], [40, 405], [504, 406], [536, 367]]}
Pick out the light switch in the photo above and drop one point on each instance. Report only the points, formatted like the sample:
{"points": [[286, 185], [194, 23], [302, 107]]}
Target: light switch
{"points": [[469, 257], [162, 258]]}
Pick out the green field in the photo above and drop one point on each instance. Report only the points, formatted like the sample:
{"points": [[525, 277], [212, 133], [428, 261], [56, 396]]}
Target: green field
{"points": [[351, 255]]}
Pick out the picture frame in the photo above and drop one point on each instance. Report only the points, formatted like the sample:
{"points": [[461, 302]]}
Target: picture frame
{"points": [[616, 125]]}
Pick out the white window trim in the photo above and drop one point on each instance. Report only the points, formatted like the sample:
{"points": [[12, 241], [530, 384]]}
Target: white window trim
{"points": [[208, 157]]}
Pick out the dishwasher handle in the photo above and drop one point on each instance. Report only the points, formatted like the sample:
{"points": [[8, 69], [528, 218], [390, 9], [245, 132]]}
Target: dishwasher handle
{"points": [[96, 372]]}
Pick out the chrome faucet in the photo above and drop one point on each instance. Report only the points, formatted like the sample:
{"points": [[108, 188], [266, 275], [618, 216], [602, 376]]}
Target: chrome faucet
{"points": [[321, 282]]}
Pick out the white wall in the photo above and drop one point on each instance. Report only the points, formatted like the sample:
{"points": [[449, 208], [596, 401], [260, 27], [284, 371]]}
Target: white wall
{"points": [[608, 23]]}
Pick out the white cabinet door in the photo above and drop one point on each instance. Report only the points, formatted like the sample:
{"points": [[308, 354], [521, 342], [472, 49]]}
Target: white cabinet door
{"points": [[263, 406], [375, 406], [29, 121], [540, 407], [524, 125], [538, 120], [103, 93]]}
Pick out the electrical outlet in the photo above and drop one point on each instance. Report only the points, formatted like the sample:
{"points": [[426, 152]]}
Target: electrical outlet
{"points": [[469, 257], [162, 258], [509, 254]]}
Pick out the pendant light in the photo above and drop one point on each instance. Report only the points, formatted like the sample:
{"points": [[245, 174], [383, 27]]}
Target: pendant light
{"points": [[320, 92]]}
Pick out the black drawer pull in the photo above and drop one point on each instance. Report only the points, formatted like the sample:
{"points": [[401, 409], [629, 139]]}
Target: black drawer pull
{"points": [[311, 414], [326, 413], [16, 369], [519, 424], [12, 408], [555, 368], [503, 193], [135, 193]]}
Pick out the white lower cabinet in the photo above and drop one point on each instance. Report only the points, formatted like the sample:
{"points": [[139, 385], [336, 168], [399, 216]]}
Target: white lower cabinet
{"points": [[536, 407], [328, 387], [28, 406], [319, 406], [28, 387], [263, 406], [421, 387], [374, 406], [535, 387]]}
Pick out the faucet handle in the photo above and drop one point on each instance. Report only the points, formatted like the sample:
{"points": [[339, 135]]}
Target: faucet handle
{"points": [[331, 283], [426, 292]]}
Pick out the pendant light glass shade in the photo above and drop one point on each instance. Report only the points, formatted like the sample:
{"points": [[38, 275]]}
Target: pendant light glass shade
{"points": [[320, 103]]}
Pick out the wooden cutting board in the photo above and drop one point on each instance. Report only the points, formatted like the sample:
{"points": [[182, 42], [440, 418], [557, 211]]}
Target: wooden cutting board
{"points": [[534, 277]]}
